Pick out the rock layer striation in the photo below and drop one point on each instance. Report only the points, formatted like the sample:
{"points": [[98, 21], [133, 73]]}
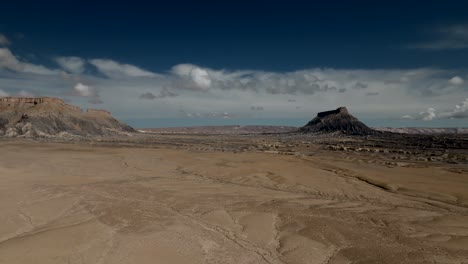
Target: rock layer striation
{"points": [[339, 120], [46, 116]]}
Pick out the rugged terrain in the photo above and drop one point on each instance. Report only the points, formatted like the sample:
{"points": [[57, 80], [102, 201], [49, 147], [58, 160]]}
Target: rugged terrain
{"points": [[338, 194], [45, 117], [190, 198]]}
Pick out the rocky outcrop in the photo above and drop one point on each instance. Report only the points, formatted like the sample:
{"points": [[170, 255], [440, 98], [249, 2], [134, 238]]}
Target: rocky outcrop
{"points": [[47, 116], [339, 120]]}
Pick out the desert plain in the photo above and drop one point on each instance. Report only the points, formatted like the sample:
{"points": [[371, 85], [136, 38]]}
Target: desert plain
{"points": [[194, 198]]}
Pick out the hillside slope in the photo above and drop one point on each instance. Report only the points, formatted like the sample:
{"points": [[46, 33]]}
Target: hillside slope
{"points": [[30, 117], [339, 120]]}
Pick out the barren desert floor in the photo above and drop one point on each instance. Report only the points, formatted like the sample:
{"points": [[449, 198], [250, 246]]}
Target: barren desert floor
{"points": [[82, 203]]}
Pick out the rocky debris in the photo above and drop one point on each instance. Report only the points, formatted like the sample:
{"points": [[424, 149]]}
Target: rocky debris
{"points": [[45, 117], [339, 120]]}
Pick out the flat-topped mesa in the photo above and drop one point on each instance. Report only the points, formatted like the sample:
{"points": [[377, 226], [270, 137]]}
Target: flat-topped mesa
{"points": [[339, 120], [92, 111], [339, 110], [31, 100], [43, 104], [46, 116]]}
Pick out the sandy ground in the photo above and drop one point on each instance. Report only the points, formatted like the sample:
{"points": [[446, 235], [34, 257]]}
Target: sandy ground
{"points": [[65, 203]]}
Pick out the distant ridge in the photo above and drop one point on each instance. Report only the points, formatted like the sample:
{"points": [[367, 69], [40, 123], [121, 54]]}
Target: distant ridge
{"points": [[48, 116], [339, 120], [424, 130]]}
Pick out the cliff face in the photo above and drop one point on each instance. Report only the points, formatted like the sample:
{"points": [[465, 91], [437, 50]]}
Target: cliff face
{"points": [[339, 120], [45, 116], [37, 103]]}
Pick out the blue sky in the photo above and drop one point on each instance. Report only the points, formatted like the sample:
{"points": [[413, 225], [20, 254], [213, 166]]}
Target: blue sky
{"points": [[394, 63]]}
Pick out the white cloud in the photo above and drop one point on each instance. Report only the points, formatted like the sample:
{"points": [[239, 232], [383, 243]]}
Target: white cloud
{"points": [[460, 111], [71, 64], [162, 94], [10, 62], [456, 80], [223, 115], [407, 117], [4, 40], [428, 115], [206, 92], [84, 90], [36, 69], [199, 78], [115, 69], [183, 70]]}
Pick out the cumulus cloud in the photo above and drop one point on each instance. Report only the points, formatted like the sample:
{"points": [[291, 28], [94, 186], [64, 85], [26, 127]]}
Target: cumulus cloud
{"points": [[199, 78], [10, 62], [427, 115], [113, 69], [4, 40], [84, 90], [457, 80], [71, 64], [292, 83], [163, 94], [207, 92], [460, 111]]}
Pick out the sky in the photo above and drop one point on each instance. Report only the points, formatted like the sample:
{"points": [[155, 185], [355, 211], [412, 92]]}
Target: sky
{"points": [[394, 63]]}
